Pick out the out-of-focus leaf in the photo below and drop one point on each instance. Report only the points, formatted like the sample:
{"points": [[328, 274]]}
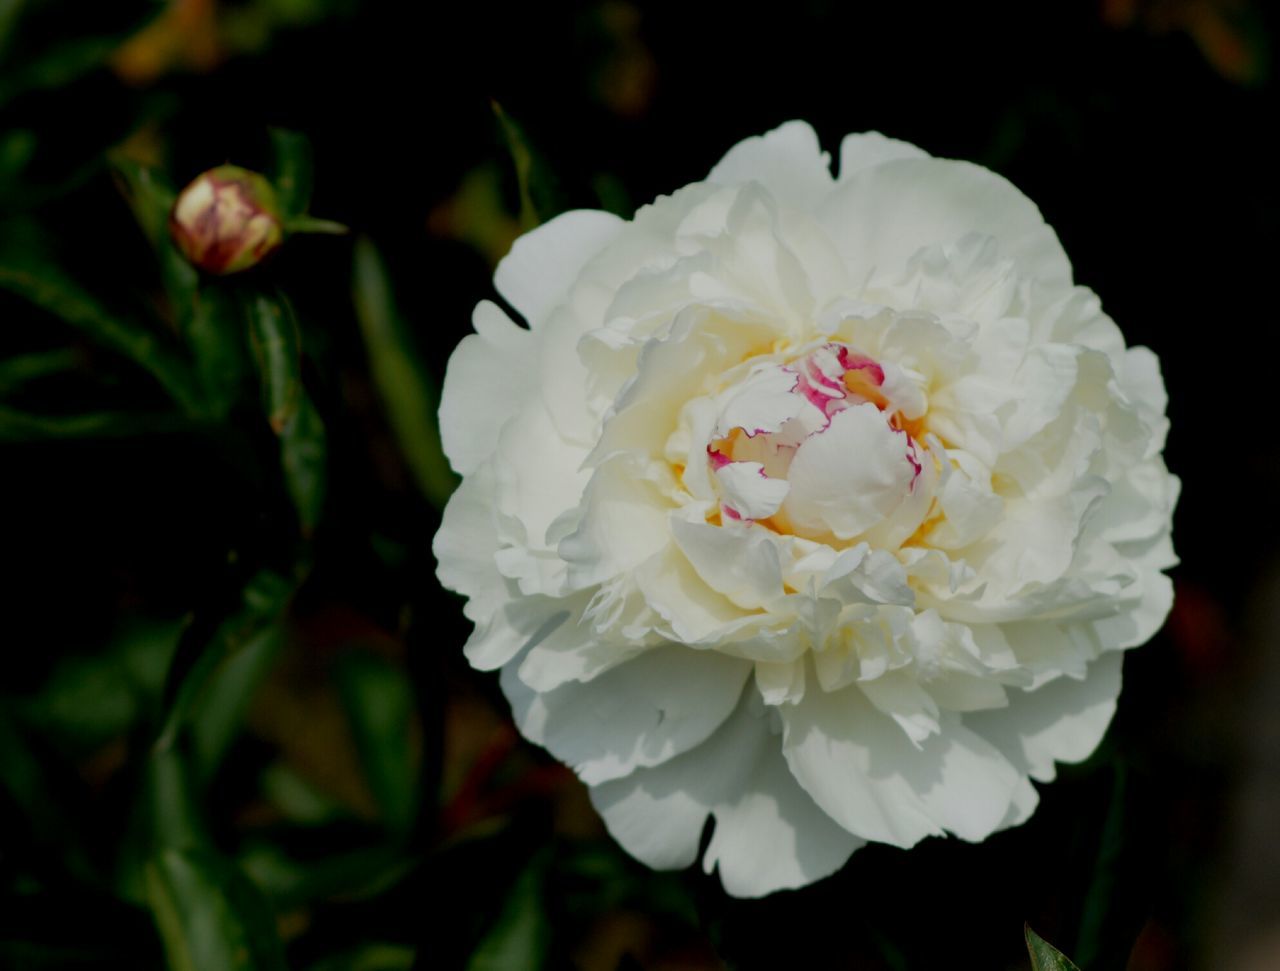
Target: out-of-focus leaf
{"points": [[17, 148], [355, 874], [476, 215], [35, 279], [379, 704], [217, 714], [1044, 956], [371, 957], [291, 170], [1101, 920], [21, 370], [540, 194], [17, 426], [25, 780], [521, 936], [196, 660], [73, 54], [174, 818], [407, 393], [10, 11], [304, 458], [613, 195], [58, 67], [90, 700], [297, 799], [151, 199], [210, 916]]}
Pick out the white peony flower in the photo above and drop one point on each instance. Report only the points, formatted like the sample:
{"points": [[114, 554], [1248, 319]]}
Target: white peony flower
{"points": [[819, 506]]}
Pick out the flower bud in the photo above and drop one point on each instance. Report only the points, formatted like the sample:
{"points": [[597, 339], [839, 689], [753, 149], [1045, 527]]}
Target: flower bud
{"points": [[227, 220]]}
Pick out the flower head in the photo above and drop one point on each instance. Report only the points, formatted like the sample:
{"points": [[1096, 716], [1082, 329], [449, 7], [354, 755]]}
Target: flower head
{"points": [[820, 506], [227, 220]]}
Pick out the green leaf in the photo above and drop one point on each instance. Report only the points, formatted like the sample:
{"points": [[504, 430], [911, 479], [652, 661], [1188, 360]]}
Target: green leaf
{"points": [[273, 333], [291, 171], [210, 916], [304, 457], [521, 936], [370, 957], [32, 276], [24, 777], [58, 68], [19, 371], [89, 700], [353, 875], [290, 411], [1044, 956], [218, 714], [540, 194], [296, 798], [379, 704], [407, 393], [212, 325], [18, 426], [174, 811], [150, 197], [197, 659], [36, 66], [1100, 898]]}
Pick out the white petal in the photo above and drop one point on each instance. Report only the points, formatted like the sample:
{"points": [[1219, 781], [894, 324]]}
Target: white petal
{"points": [[768, 834], [749, 492], [488, 379], [739, 562], [514, 627], [1062, 721], [850, 759], [865, 149], [539, 480], [865, 772], [640, 713], [899, 696], [544, 262], [883, 215], [787, 161], [465, 544], [1140, 623], [623, 524], [848, 478]]}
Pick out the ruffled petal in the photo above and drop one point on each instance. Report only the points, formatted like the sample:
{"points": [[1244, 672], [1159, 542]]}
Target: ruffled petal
{"points": [[870, 777], [768, 834], [881, 216], [1061, 722], [787, 161], [663, 702], [465, 545], [544, 262], [487, 381], [865, 149]]}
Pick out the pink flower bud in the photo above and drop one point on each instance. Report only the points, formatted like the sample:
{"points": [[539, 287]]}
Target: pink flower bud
{"points": [[227, 220]]}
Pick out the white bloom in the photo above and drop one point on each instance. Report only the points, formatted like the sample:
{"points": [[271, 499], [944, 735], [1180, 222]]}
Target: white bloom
{"points": [[822, 506]]}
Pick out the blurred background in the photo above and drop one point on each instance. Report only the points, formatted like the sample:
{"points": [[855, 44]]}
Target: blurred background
{"points": [[236, 728]]}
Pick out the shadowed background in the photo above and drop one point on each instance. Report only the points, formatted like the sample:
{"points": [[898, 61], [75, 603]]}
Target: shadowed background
{"points": [[236, 728]]}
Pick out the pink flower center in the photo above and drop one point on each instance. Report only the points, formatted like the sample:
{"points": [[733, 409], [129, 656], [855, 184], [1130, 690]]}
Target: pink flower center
{"points": [[831, 379]]}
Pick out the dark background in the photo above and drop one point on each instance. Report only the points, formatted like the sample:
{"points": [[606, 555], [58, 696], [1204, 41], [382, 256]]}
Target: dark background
{"points": [[336, 789]]}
